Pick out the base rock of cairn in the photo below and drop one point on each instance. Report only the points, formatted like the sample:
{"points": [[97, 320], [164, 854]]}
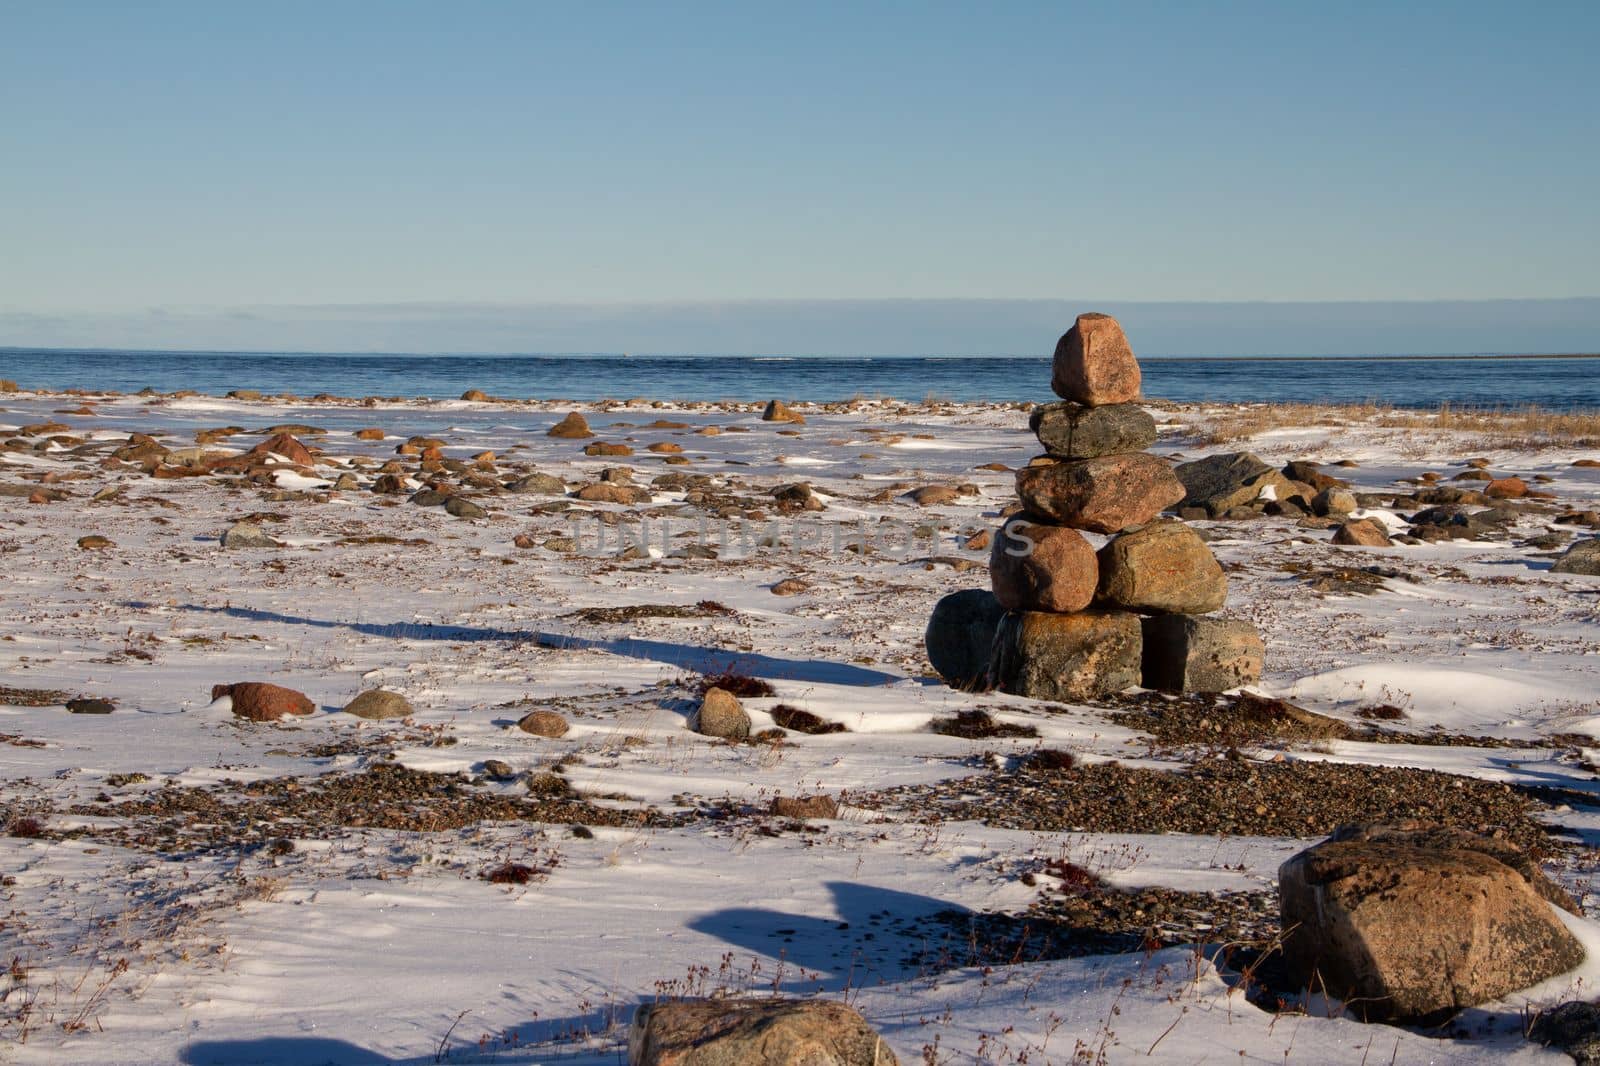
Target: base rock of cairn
{"points": [[1066, 621]]}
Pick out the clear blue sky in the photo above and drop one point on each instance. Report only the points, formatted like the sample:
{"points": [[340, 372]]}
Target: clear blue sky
{"points": [[208, 160]]}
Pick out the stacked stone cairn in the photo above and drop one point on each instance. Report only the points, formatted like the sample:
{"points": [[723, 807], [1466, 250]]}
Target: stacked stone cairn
{"points": [[1067, 620]]}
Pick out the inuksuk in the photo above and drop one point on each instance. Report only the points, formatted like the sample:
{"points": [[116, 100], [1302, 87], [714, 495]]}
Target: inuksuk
{"points": [[1070, 617]]}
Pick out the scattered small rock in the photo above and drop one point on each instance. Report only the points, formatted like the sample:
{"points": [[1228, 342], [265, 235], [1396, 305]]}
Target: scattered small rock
{"points": [[754, 1033], [1363, 533], [379, 703], [542, 723], [721, 715], [778, 411], [1582, 558], [572, 427], [803, 721], [803, 807], [247, 535]]}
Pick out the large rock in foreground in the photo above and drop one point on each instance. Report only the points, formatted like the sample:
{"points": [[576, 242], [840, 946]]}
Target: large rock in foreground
{"points": [[1582, 558], [1036, 567], [1067, 656], [1072, 431], [1093, 363], [960, 636], [1183, 653], [1163, 566], [1411, 933], [1418, 834], [781, 1032], [1107, 494]]}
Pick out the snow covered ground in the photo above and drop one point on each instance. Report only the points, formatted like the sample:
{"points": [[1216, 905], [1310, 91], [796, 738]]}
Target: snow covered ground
{"points": [[358, 943]]}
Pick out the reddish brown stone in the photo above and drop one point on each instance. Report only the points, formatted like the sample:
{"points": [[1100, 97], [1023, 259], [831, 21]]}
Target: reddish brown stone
{"points": [[261, 702], [1412, 932], [1506, 488], [778, 411], [605, 448], [1361, 533], [543, 724], [1035, 567], [1161, 567], [286, 445], [1105, 495], [574, 427], [371, 433], [1094, 365]]}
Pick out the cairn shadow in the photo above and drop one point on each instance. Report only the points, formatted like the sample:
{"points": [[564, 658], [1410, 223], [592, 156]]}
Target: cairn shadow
{"points": [[281, 1051], [881, 935], [536, 1042], [683, 656]]}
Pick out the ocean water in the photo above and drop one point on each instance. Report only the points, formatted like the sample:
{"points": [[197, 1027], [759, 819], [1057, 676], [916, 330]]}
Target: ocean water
{"points": [[1550, 382]]}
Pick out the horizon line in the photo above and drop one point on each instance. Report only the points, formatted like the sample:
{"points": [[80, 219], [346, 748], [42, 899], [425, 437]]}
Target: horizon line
{"points": [[375, 353]]}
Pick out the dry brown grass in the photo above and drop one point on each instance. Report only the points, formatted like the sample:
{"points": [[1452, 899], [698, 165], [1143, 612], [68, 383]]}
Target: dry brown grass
{"points": [[1506, 427]]}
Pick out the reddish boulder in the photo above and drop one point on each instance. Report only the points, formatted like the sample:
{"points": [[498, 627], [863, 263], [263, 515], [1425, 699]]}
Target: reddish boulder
{"points": [[1094, 365], [543, 724], [1106, 495], [261, 702], [1415, 930], [1506, 488], [778, 411], [1362, 533], [1162, 567], [573, 427], [286, 445], [1035, 567]]}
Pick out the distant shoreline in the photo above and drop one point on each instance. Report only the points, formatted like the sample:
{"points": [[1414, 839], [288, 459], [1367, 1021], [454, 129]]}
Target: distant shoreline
{"points": [[1428, 357]]}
